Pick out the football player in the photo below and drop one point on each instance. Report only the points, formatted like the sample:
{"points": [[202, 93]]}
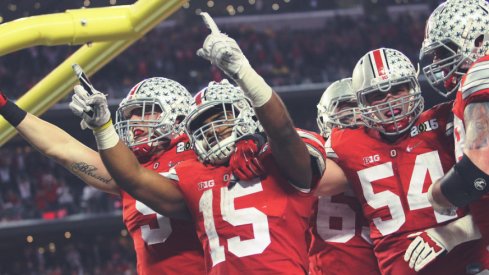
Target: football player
{"points": [[456, 48], [253, 227], [392, 161], [149, 121], [341, 241]]}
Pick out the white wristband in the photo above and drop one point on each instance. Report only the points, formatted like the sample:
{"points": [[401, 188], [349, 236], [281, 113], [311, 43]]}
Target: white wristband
{"points": [[106, 136], [254, 86], [457, 232]]}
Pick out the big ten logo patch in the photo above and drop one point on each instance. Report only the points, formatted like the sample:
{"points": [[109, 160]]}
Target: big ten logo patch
{"points": [[206, 184], [371, 159], [426, 126], [183, 146]]}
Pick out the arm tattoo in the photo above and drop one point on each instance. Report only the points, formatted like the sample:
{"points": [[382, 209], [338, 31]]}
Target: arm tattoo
{"points": [[89, 170], [476, 117]]}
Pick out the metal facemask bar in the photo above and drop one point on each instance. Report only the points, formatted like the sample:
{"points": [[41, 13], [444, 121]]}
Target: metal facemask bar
{"points": [[348, 117], [156, 128], [210, 146], [436, 72], [411, 105]]}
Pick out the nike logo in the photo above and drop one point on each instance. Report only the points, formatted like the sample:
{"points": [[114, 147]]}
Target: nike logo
{"points": [[410, 147]]}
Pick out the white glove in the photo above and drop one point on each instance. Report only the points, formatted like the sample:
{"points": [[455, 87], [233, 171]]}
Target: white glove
{"points": [[221, 50], [424, 249], [431, 243], [92, 109], [225, 53]]}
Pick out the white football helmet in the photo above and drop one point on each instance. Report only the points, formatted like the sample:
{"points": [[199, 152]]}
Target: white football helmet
{"points": [[377, 73], [158, 105], [232, 118], [331, 113], [456, 35]]}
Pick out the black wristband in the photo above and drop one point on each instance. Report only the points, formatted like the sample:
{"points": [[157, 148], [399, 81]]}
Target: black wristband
{"points": [[464, 183], [12, 113]]}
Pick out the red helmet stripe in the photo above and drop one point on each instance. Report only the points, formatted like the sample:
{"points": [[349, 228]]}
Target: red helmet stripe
{"points": [[380, 66], [198, 98], [134, 89]]}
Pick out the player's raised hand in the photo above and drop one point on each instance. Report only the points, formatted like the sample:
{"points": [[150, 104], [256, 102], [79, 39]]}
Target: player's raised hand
{"points": [[221, 50], [91, 108]]}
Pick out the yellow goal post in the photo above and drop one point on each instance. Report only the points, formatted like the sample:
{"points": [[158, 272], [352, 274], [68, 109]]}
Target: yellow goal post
{"points": [[106, 32]]}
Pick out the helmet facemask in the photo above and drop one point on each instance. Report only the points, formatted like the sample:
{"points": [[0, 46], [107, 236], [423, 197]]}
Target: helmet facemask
{"points": [[446, 66], [222, 116], [342, 113], [143, 122], [456, 36], [394, 116], [388, 92], [338, 107]]}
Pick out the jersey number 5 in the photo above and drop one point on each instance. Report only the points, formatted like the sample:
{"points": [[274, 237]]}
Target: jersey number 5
{"points": [[155, 235]]}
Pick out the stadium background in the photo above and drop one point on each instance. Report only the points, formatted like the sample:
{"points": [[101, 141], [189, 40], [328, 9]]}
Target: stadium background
{"points": [[52, 223]]}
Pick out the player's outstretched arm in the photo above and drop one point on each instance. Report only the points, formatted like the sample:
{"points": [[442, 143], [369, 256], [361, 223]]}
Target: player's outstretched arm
{"points": [[288, 149], [333, 181], [59, 145], [156, 191]]}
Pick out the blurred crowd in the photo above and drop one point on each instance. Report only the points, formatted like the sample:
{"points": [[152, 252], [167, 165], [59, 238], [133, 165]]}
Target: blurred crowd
{"points": [[97, 254], [33, 187], [14, 9], [282, 57]]}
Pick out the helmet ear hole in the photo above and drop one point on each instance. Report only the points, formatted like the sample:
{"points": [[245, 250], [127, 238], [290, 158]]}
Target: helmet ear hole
{"points": [[478, 41], [179, 119]]}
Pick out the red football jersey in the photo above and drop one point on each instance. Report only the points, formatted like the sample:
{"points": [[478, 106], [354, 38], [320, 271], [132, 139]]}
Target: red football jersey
{"points": [[391, 181], [474, 88], [163, 245], [247, 227], [341, 241]]}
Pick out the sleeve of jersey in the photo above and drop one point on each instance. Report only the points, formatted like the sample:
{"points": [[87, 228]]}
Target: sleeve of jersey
{"points": [[315, 146], [475, 84]]}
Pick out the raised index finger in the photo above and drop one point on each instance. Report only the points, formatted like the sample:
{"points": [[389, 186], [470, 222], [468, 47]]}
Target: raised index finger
{"points": [[209, 22]]}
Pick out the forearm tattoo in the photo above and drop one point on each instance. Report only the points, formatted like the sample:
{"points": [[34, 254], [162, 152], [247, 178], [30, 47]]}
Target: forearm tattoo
{"points": [[476, 117], [89, 170]]}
